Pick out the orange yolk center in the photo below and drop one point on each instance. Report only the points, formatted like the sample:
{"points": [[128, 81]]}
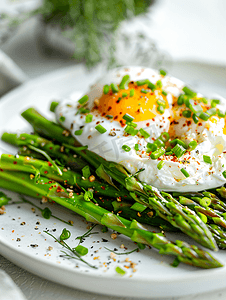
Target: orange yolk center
{"points": [[142, 105]]}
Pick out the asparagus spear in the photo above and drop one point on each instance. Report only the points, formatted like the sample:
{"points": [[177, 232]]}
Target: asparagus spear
{"points": [[189, 254], [61, 174], [168, 208]]}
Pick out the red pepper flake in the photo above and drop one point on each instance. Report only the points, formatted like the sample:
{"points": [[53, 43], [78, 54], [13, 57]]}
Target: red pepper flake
{"points": [[1, 170], [45, 172], [109, 108], [49, 164], [103, 187], [15, 162]]}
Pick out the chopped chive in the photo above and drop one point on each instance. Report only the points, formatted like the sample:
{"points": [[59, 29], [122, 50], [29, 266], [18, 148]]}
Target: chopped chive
{"points": [[124, 95], [178, 141], [195, 108], [220, 113], [144, 133], [157, 153], [144, 91], [186, 174], [195, 118], [151, 147], [162, 72], [86, 171], [214, 102], [53, 106], [204, 116], [106, 89], [126, 148], [180, 99], [189, 92], [132, 92], [62, 119], [114, 88], [128, 118], [178, 150], [161, 102], [100, 129], [212, 111], [160, 164], [131, 130], [159, 142], [207, 159], [83, 100], [151, 86], [186, 113], [164, 93], [83, 110], [120, 271], [65, 234], [142, 82], [164, 136], [136, 147], [46, 213], [109, 116], [224, 174], [81, 250], [161, 109], [89, 118], [78, 132], [204, 100], [124, 83], [192, 145], [159, 83], [138, 207], [131, 124]]}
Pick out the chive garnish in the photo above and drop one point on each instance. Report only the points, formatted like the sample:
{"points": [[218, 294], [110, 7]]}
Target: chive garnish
{"points": [[161, 102], [124, 83], [204, 116], [204, 100], [124, 95], [195, 118], [224, 174], [159, 142], [131, 130], [189, 92], [136, 147], [126, 148], [162, 72], [144, 91], [164, 136], [159, 83], [212, 111], [178, 141], [161, 109], [65, 234], [180, 99], [128, 118], [144, 133], [192, 145], [151, 86], [81, 250], [160, 164], [157, 153], [142, 82], [220, 113], [109, 116], [164, 93], [214, 102], [100, 129], [53, 106], [186, 174], [62, 119], [89, 118], [83, 100], [120, 271], [178, 150], [106, 89], [186, 113], [78, 132], [132, 92], [151, 147], [114, 88], [207, 159]]}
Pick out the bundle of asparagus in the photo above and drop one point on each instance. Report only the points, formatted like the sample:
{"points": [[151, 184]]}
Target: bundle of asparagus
{"points": [[117, 199]]}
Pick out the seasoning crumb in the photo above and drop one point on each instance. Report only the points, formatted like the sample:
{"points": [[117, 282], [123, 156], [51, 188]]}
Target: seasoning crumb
{"points": [[114, 236]]}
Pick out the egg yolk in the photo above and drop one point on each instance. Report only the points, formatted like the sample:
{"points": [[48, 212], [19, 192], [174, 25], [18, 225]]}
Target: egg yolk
{"points": [[138, 101]]}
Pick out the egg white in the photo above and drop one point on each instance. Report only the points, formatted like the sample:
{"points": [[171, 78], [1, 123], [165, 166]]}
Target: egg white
{"points": [[210, 137]]}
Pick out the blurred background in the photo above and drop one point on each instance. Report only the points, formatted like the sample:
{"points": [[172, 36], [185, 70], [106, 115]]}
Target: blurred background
{"points": [[39, 37], [187, 38]]}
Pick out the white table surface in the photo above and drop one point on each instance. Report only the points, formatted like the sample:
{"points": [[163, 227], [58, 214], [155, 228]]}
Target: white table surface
{"points": [[36, 64]]}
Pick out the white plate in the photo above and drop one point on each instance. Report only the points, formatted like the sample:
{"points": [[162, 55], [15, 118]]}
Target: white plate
{"points": [[154, 276]]}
